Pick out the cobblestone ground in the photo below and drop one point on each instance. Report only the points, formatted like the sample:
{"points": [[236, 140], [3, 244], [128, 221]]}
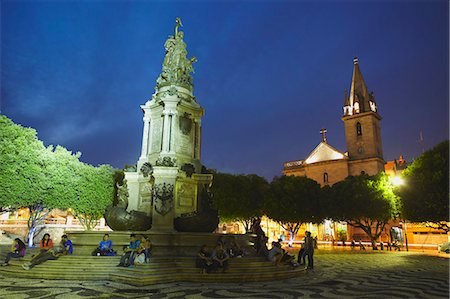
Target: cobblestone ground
{"points": [[337, 275]]}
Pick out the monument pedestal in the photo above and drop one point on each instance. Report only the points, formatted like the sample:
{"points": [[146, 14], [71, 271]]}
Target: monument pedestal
{"points": [[163, 211]]}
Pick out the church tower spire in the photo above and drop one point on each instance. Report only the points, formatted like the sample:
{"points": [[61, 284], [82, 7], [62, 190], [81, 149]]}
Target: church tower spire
{"points": [[362, 124], [359, 100]]}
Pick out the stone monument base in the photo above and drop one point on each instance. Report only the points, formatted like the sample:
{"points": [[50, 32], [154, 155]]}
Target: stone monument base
{"points": [[164, 244]]}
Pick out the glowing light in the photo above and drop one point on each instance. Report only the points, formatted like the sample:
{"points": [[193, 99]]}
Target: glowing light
{"points": [[397, 181]]}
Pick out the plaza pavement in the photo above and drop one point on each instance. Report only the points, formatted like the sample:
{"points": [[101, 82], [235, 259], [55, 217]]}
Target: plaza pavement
{"points": [[337, 274]]}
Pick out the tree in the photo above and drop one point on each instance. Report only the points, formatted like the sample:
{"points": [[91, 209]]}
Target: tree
{"points": [[40, 178], [239, 197], [94, 192], [366, 202], [294, 200], [22, 182], [425, 194]]}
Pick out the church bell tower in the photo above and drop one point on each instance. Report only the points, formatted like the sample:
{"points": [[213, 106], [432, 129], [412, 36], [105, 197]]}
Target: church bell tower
{"points": [[362, 127]]}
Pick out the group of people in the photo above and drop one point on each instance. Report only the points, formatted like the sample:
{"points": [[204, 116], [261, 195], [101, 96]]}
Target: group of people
{"points": [[137, 252], [213, 260], [47, 251], [307, 251]]}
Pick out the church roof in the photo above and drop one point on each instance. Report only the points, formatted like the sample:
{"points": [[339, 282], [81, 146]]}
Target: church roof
{"points": [[359, 92], [324, 152]]}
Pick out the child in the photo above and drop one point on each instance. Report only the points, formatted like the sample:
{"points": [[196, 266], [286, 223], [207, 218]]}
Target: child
{"points": [[301, 255]]}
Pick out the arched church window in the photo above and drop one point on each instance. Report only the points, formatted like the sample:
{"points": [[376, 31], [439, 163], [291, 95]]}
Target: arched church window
{"points": [[363, 172], [325, 177], [358, 129]]}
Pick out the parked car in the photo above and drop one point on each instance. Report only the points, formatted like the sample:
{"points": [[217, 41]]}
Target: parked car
{"points": [[444, 247]]}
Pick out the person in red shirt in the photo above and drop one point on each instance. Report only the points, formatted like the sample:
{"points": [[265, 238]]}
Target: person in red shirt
{"points": [[46, 243]]}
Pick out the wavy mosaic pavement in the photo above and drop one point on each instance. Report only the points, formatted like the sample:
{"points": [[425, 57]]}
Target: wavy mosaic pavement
{"points": [[337, 275]]}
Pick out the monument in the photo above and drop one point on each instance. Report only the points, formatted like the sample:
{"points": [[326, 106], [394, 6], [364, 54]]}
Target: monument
{"points": [[168, 189]]}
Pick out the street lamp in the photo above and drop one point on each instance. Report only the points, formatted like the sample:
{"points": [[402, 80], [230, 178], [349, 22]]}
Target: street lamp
{"points": [[397, 181]]}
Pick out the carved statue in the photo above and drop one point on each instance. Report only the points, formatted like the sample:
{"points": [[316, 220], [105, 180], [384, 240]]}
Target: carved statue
{"points": [[189, 169], [118, 218], [146, 169], [176, 67], [204, 220], [177, 25]]}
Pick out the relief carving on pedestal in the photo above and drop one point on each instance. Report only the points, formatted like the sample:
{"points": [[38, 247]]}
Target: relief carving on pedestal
{"points": [[186, 194], [185, 124], [166, 161], [163, 198], [146, 192]]}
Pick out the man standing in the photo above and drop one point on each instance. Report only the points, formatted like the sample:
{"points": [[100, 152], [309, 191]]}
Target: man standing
{"points": [[309, 249]]}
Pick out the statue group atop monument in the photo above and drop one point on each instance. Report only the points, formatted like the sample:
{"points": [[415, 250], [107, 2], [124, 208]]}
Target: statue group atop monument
{"points": [[168, 190], [176, 67]]}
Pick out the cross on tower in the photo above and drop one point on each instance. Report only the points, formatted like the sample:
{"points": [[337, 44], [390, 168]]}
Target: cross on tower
{"points": [[324, 135]]}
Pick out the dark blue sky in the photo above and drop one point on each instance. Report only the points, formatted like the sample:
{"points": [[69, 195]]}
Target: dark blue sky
{"points": [[269, 74]]}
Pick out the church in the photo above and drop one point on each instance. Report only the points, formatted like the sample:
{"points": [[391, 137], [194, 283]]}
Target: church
{"points": [[327, 165]]}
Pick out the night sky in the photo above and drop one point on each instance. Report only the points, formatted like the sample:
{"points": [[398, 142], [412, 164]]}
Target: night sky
{"points": [[270, 75]]}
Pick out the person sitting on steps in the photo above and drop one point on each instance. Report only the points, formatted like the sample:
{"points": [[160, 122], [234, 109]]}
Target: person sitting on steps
{"points": [[67, 245], [105, 247], [130, 251], [286, 257], [234, 249], [17, 251], [275, 254], [220, 258], [64, 248], [46, 243], [203, 260], [144, 251]]}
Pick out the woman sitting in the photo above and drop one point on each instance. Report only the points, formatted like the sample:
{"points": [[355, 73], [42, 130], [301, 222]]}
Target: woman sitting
{"points": [[105, 247], [17, 251], [46, 243]]}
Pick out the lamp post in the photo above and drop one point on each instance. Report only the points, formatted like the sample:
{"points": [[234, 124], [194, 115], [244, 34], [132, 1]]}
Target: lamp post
{"points": [[398, 181]]}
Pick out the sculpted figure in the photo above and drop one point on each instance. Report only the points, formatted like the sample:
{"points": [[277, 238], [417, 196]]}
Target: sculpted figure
{"points": [[177, 25]]}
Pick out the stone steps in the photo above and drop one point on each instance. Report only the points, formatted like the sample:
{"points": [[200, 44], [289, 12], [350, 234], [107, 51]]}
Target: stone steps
{"points": [[159, 270]]}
